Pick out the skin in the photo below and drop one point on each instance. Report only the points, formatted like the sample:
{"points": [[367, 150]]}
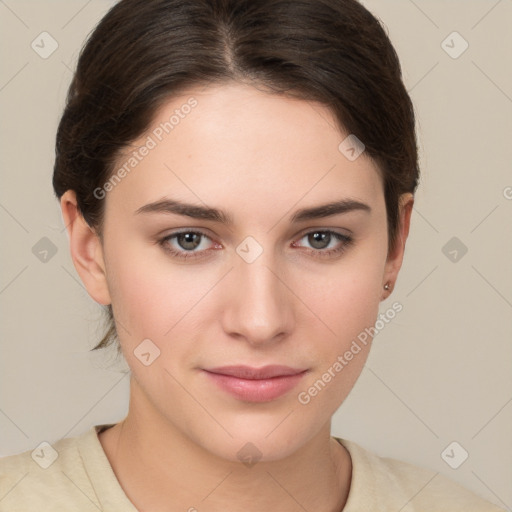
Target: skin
{"points": [[259, 157]]}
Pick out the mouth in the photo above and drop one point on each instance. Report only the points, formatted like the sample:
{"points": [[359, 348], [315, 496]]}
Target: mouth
{"points": [[251, 384]]}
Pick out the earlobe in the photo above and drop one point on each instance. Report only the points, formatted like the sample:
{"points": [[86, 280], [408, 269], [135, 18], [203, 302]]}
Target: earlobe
{"points": [[86, 250], [395, 257]]}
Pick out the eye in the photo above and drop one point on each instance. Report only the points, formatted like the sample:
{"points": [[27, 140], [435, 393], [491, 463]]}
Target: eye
{"points": [[326, 242], [186, 244], [196, 244]]}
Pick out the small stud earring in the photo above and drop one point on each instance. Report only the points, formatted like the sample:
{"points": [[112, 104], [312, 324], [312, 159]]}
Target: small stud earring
{"points": [[386, 286]]}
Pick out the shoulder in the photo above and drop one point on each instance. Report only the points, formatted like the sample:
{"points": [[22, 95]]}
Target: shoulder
{"points": [[382, 483], [31, 480]]}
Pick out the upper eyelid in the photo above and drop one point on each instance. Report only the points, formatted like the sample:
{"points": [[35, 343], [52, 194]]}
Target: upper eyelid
{"points": [[339, 231]]}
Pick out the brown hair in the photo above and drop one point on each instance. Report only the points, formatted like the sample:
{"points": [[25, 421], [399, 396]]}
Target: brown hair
{"points": [[143, 52]]}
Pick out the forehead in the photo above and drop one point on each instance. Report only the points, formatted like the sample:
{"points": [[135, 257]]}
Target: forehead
{"points": [[235, 144]]}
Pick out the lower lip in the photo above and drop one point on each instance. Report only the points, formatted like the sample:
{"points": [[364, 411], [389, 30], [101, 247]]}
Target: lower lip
{"points": [[258, 390]]}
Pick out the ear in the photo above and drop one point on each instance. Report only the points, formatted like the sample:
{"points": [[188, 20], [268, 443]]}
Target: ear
{"points": [[86, 250], [396, 255]]}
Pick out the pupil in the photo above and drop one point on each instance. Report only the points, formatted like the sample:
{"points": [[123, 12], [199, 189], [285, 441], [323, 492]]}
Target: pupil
{"points": [[319, 240], [189, 240]]}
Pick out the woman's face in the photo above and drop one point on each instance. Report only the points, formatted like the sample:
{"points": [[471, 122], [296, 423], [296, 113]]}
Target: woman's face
{"points": [[260, 276]]}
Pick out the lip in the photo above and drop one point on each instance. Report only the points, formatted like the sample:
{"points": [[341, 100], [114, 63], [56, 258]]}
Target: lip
{"points": [[251, 384]]}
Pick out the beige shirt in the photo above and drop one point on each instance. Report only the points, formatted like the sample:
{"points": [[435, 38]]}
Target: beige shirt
{"points": [[81, 479]]}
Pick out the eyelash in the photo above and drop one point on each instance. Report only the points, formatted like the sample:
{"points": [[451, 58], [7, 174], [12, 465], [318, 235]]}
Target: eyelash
{"points": [[318, 253]]}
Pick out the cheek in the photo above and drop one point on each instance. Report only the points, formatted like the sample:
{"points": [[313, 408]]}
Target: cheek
{"points": [[346, 303], [149, 295], [347, 297]]}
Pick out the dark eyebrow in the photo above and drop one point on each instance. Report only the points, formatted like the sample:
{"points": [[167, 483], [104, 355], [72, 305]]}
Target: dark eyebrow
{"points": [[186, 209], [213, 214], [326, 210]]}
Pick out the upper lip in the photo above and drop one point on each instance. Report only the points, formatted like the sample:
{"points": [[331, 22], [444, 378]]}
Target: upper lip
{"points": [[251, 373]]}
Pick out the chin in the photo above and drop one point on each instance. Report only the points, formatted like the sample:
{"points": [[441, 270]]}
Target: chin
{"points": [[263, 437]]}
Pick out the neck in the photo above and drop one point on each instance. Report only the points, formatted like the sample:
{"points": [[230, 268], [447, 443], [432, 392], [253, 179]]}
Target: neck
{"points": [[160, 468]]}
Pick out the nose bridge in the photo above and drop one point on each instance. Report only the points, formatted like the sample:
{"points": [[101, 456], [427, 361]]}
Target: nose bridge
{"points": [[258, 307]]}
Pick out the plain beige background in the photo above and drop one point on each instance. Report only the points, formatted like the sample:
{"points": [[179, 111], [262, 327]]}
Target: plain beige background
{"points": [[439, 373]]}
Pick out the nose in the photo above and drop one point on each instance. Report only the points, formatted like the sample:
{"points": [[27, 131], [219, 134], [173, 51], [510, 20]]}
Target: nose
{"points": [[258, 305]]}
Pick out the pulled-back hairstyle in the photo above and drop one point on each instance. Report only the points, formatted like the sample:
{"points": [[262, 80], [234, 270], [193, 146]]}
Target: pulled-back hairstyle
{"points": [[144, 52]]}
